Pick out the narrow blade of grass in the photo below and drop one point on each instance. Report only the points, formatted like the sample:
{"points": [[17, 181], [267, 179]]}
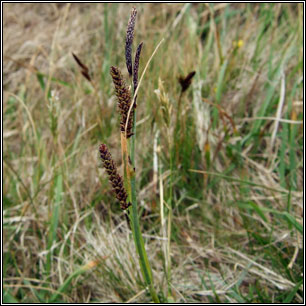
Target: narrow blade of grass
{"points": [[292, 294], [68, 280]]}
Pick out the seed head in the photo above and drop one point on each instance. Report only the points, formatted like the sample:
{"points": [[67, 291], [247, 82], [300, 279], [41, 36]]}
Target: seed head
{"points": [[114, 178], [129, 41], [124, 100], [136, 66]]}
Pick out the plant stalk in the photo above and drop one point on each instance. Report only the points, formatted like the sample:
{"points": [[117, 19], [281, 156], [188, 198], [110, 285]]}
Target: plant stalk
{"points": [[130, 182]]}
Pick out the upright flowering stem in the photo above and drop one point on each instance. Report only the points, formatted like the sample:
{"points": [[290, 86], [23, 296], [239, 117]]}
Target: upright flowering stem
{"points": [[143, 257], [128, 138], [125, 191]]}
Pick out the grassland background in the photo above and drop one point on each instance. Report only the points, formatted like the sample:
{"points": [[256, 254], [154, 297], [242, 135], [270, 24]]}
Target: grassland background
{"points": [[232, 170]]}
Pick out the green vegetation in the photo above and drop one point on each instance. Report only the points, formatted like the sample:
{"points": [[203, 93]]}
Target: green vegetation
{"points": [[219, 165]]}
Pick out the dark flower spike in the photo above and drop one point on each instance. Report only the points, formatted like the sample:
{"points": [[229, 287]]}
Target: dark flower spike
{"points": [[84, 68], [129, 41], [186, 82], [124, 100], [136, 66], [114, 178]]}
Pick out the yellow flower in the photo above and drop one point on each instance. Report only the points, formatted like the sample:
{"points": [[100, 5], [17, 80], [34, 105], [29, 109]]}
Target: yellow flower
{"points": [[239, 43]]}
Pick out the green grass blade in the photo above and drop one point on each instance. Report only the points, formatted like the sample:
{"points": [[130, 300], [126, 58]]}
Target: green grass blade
{"points": [[291, 295], [67, 282], [8, 298], [291, 220]]}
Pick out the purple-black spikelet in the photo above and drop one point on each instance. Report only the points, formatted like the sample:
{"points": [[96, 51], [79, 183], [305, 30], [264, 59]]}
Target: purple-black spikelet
{"points": [[136, 66], [114, 178], [186, 82], [84, 68], [129, 41], [124, 101]]}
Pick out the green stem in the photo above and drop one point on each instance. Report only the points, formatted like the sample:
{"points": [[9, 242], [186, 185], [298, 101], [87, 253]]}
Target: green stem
{"points": [[133, 214]]}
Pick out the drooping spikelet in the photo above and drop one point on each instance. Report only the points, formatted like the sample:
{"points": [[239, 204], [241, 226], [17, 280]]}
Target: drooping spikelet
{"points": [[186, 81], [129, 41], [124, 101], [84, 68], [114, 178]]}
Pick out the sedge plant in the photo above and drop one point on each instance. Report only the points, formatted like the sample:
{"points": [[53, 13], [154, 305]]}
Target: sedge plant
{"points": [[125, 188]]}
